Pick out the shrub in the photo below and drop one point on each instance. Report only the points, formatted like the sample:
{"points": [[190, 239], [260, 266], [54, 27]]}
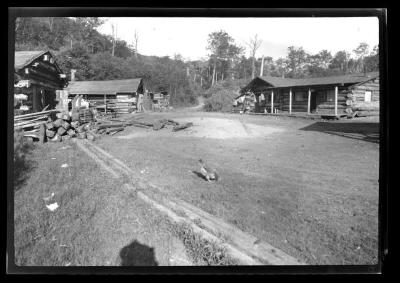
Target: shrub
{"points": [[220, 101]]}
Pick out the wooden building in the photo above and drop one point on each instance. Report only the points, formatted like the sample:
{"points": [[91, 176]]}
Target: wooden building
{"points": [[112, 95], [334, 95], [37, 75], [160, 100]]}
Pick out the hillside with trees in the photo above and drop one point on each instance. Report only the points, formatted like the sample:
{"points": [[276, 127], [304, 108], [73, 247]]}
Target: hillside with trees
{"points": [[78, 45]]}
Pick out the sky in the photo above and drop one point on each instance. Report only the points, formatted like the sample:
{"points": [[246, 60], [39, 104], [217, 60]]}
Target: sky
{"points": [[188, 36]]}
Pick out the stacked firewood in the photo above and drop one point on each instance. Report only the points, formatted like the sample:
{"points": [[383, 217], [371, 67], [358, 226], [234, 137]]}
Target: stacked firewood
{"points": [[66, 127]]}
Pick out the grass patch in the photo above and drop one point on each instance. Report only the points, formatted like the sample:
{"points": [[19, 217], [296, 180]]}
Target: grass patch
{"points": [[200, 250], [22, 158], [69, 235]]}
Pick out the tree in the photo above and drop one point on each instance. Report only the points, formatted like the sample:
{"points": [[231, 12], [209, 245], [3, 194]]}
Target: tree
{"points": [[114, 38], [360, 52], [135, 43], [253, 44], [340, 61], [296, 61], [223, 49]]}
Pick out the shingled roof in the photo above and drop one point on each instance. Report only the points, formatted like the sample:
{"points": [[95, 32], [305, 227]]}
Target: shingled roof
{"points": [[278, 82], [24, 58], [104, 87]]}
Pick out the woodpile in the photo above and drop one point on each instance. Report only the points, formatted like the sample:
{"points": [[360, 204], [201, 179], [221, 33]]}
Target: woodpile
{"points": [[32, 120], [83, 125]]}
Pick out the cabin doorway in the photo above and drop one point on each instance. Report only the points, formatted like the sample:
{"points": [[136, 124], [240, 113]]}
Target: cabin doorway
{"points": [[313, 102]]}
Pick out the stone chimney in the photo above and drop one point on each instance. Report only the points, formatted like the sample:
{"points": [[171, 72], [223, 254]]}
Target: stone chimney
{"points": [[73, 71], [262, 66]]}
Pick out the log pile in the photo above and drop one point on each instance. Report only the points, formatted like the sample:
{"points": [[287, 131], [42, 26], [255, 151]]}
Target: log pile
{"points": [[64, 126], [32, 120]]}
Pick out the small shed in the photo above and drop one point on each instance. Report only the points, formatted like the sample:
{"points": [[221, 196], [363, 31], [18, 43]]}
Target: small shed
{"points": [[160, 100], [37, 76], [117, 95], [333, 95]]}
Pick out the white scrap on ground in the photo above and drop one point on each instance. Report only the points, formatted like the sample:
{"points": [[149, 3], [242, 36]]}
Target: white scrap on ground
{"points": [[52, 206], [65, 165]]}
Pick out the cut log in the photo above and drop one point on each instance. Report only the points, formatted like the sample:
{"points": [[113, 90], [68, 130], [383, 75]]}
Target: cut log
{"points": [[105, 126], [66, 117], [66, 125], [349, 110], [71, 133], [110, 130], [75, 124], [61, 131], [181, 127], [349, 102], [50, 133], [158, 125], [57, 123], [49, 125]]}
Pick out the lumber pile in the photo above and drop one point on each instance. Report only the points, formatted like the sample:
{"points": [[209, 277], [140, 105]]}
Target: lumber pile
{"points": [[32, 120]]}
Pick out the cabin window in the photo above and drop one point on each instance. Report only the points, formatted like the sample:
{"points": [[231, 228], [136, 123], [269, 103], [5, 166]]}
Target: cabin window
{"points": [[367, 97], [299, 96], [330, 95]]}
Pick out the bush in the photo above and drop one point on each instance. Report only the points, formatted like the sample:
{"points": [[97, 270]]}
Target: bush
{"points": [[220, 101]]}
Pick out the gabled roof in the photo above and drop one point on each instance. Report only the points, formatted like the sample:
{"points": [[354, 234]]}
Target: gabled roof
{"points": [[278, 82], [104, 87], [24, 58]]}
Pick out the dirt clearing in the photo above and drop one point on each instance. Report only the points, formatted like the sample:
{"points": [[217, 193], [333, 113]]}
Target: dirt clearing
{"points": [[311, 193], [212, 128]]}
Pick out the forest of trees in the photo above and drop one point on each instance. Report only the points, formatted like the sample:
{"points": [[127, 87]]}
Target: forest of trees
{"points": [[78, 45]]}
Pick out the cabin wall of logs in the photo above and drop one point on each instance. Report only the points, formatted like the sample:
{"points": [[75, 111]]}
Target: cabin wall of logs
{"points": [[350, 99], [39, 81]]}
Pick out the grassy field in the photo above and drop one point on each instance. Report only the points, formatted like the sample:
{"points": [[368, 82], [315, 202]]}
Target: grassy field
{"points": [[98, 221], [309, 188]]}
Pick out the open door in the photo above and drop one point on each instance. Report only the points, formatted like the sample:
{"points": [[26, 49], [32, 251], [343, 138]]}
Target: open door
{"points": [[313, 102]]}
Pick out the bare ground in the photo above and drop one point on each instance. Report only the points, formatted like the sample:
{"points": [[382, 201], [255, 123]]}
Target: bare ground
{"points": [[307, 187]]}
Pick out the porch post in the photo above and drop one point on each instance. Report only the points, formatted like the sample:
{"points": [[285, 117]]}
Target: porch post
{"points": [[336, 97], [272, 101], [105, 104], [290, 101], [309, 102]]}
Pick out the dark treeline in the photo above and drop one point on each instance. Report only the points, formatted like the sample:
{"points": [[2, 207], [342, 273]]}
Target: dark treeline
{"points": [[78, 45]]}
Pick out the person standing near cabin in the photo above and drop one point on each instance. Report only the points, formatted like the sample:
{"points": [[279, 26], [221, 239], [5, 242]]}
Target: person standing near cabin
{"points": [[140, 102]]}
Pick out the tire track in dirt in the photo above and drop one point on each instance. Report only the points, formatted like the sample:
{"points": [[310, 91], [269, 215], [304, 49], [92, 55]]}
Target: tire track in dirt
{"points": [[242, 246]]}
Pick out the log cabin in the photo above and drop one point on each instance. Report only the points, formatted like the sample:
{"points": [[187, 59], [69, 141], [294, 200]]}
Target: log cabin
{"points": [[37, 75], [114, 95], [334, 95]]}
